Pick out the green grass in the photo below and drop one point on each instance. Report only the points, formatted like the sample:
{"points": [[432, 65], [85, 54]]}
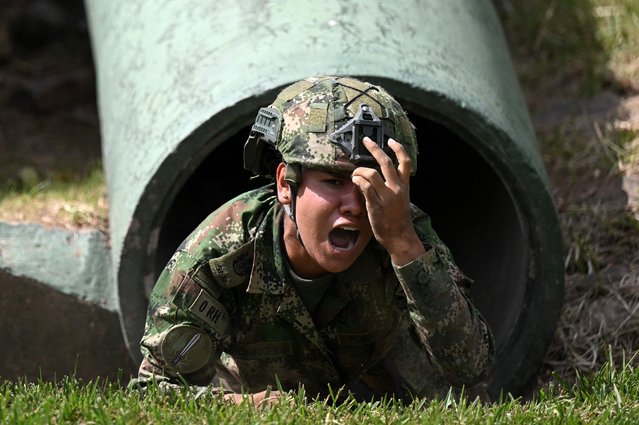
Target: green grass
{"points": [[69, 200], [609, 396], [576, 46]]}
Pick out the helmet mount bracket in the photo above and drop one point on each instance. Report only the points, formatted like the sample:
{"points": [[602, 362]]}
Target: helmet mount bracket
{"points": [[351, 135]]}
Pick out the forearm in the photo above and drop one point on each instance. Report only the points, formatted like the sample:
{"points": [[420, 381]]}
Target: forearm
{"points": [[150, 374], [447, 323]]}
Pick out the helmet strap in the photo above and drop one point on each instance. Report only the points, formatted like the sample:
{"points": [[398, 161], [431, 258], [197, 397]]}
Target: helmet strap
{"points": [[293, 177]]}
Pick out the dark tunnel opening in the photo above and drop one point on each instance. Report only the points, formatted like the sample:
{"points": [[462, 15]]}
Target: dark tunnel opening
{"points": [[470, 207]]}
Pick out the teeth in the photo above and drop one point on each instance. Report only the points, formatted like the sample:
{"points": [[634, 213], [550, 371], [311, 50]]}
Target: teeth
{"points": [[346, 248], [349, 228], [343, 238]]}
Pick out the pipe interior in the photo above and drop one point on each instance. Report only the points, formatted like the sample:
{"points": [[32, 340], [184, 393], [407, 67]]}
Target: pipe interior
{"points": [[470, 207]]}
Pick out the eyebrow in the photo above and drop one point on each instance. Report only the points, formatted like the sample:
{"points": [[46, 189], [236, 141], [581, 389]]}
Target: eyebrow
{"points": [[339, 174], [334, 173]]}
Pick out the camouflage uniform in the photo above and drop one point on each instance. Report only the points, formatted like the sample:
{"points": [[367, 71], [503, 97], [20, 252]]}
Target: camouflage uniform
{"points": [[389, 329], [225, 314]]}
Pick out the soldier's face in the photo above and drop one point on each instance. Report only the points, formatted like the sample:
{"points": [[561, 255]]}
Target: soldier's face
{"points": [[332, 221]]}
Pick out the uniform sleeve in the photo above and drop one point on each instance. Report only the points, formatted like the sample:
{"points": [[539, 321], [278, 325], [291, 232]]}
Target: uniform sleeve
{"points": [[185, 327], [447, 324]]}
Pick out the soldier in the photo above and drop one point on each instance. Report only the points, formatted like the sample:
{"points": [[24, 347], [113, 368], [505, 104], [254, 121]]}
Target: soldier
{"points": [[328, 277]]}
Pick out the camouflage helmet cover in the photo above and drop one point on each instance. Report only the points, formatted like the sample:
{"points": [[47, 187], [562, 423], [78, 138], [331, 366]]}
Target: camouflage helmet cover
{"points": [[314, 108]]}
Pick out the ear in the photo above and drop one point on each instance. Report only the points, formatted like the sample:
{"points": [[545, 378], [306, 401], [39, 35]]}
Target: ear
{"points": [[283, 188]]}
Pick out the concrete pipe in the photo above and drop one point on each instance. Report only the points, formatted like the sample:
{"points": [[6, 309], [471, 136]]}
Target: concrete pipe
{"points": [[179, 85]]}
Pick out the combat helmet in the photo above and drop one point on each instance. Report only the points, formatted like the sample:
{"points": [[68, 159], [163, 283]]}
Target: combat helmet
{"points": [[319, 122]]}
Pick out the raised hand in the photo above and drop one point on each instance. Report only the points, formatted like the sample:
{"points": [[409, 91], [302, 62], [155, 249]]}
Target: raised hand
{"points": [[387, 198]]}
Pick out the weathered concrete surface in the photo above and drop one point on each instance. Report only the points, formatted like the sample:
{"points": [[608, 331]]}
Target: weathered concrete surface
{"points": [[165, 70], [76, 263], [58, 308]]}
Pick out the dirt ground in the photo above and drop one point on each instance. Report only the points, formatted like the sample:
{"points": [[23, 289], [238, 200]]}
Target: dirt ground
{"points": [[49, 130], [597, 195]]}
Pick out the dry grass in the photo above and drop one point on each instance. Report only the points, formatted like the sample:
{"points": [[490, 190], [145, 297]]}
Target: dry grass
{"points": [[601, 233], [590, 168], [600, 314], [579, 65]]}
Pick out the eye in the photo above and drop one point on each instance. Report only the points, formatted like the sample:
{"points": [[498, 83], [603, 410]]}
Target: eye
{"points": [[333, 182]]}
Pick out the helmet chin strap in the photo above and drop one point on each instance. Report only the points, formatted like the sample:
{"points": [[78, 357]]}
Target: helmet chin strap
{"points": [[293, 177], [290, 214]]}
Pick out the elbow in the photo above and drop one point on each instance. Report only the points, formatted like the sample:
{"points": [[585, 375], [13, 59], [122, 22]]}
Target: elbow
{"points": [[473, 358]]}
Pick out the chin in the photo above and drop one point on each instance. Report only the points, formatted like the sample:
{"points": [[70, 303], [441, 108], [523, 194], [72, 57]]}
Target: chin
{"points": [[339, 268], [333, 266]]}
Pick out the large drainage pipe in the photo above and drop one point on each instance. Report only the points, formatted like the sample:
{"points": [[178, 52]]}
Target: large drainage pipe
{"points": [[179, 84]]}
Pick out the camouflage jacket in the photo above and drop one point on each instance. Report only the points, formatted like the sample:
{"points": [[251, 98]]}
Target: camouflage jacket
{"points": [[224, 313]]}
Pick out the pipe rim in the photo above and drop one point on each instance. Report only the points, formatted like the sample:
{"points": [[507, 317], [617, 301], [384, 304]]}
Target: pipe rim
{"points": [[530, 201]]}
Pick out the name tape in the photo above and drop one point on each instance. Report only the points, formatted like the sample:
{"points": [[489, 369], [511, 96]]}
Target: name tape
{"points": [[211, 311]]}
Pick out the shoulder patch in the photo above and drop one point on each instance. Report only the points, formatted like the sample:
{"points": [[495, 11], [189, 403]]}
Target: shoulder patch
{"points": [[186, 349], [211, 312], [203, 277], [234, 268]]}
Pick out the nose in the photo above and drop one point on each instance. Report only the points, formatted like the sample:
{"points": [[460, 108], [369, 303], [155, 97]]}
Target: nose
{"points": [[352, 201]]}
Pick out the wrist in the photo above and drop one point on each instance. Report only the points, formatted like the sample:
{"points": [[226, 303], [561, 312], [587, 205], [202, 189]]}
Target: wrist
{"points": [[405, 249]]}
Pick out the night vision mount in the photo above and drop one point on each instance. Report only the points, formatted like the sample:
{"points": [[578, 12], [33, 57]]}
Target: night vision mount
{"points": [[351, 135]]}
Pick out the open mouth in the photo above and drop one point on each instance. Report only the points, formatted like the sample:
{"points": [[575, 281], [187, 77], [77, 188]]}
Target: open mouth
{"points": [[343, 238]]}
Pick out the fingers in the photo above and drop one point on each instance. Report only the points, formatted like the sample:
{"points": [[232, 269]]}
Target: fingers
{"points": [[370, 182], [403, 169], [386, 164], [371, 194], [386, 193]]}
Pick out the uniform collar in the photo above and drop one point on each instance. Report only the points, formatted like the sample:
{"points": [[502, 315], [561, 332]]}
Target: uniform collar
{"points": [[268, 274]]}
